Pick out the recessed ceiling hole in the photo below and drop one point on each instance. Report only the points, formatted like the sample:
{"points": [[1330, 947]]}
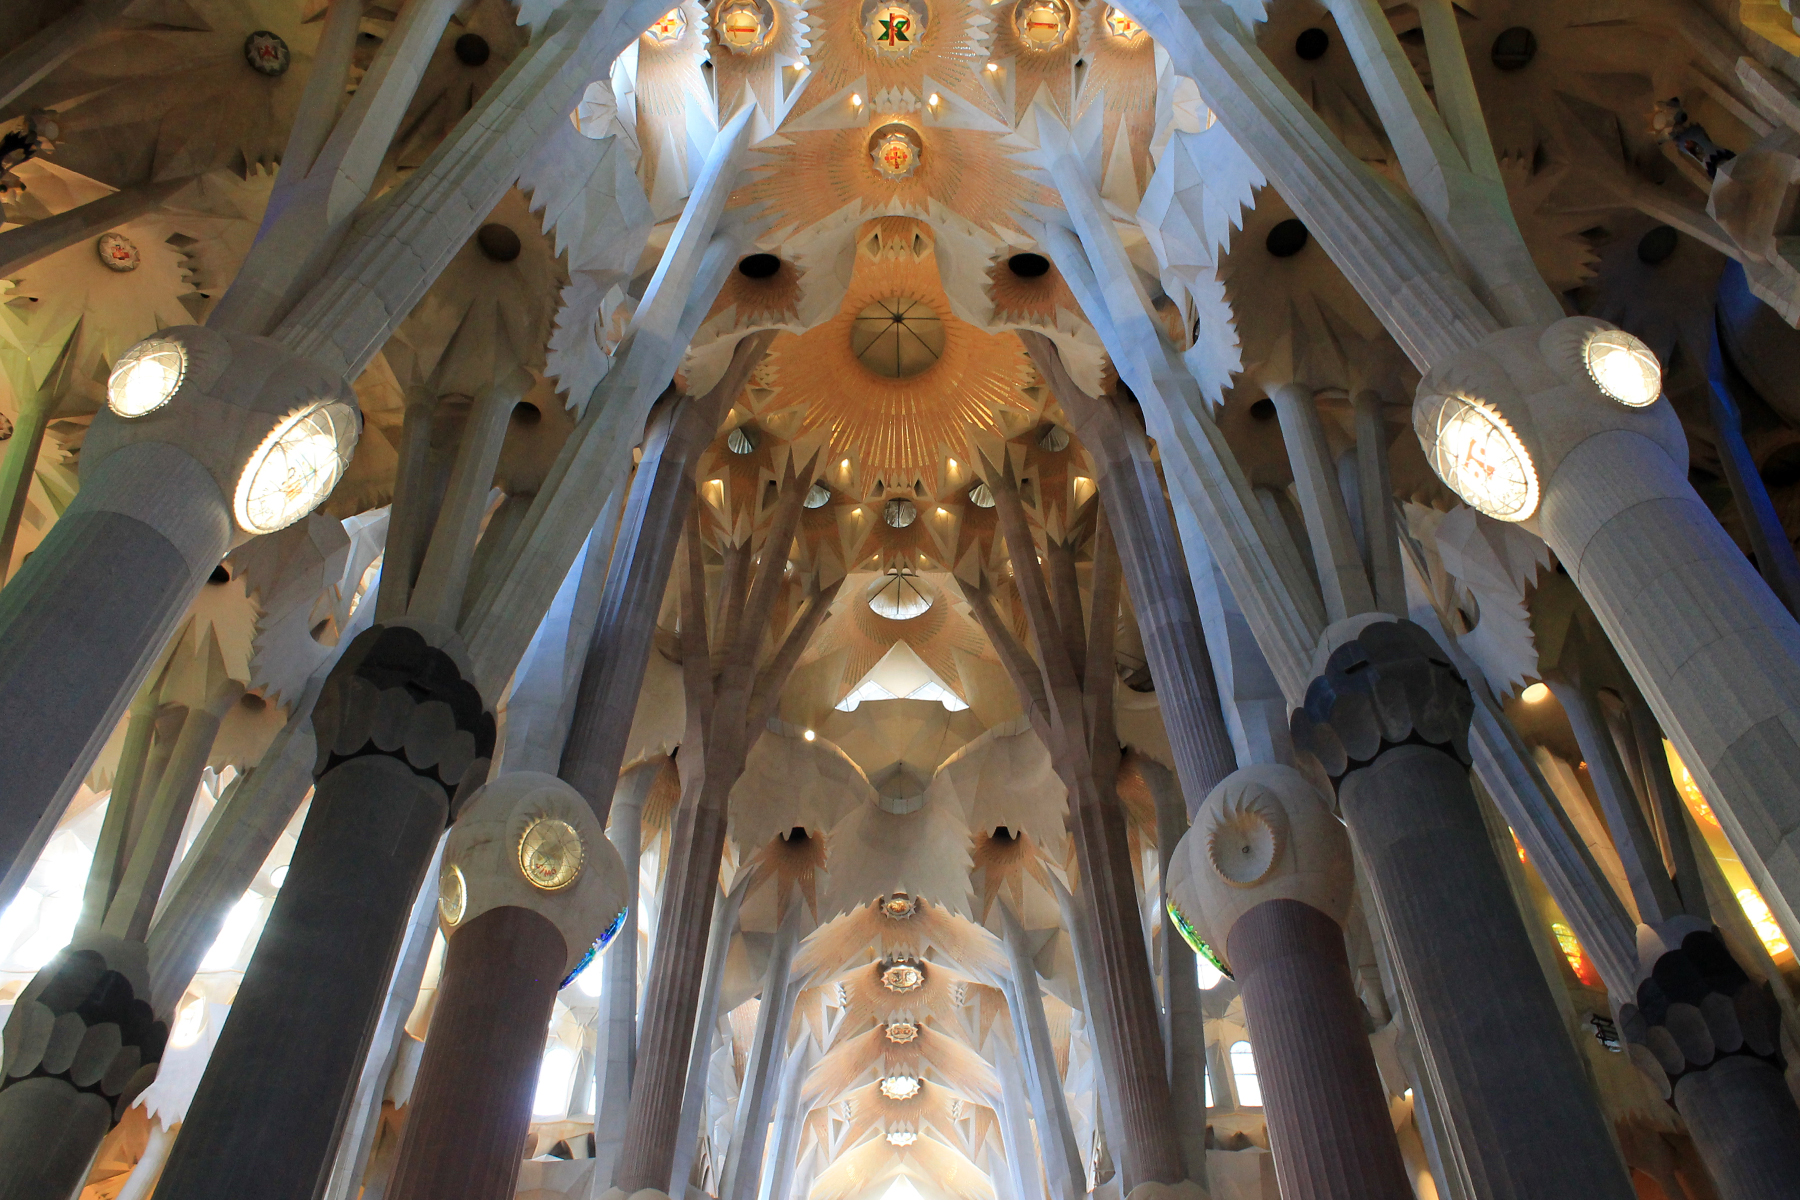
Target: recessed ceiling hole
{"points": [[1312, 44], [758, 266], [1263, 410], [498, 242], [526, 413], [1028, 266], [1657, 245], [219, 575], [472, 50], [1287, 239], [1514, 48]]}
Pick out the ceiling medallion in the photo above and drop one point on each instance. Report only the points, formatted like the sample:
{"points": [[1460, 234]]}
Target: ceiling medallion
{"points": [[550, 854], [901, 1136], [744, 25], [902, 1032], [895, 151], [893, 28], [267, 54], [118, 252], [897, 338], [899, 906], [1122, 25], [902, 977], [1475, 451], [1043, 24], [900, 1087], [667, 28]]}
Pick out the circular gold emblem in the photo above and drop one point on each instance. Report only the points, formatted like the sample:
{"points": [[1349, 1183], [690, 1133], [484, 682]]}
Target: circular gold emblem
{"points": [[896, 152], [744, 26], [902, 977], [267, 53], [1042, 24], [899, 906], [550, 854], [118, 252], [893, 29], [902, 1032], [453, 894]]}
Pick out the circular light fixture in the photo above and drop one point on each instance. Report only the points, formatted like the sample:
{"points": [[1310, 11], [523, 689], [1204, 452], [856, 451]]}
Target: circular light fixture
{"points": [[267, 54], [1537, 693], [898, 337], [902, 977], [899, 597], [1475, 452], [550, 854], [145, 377], [1043, 25], [899, 906], [817, 496], [981, 495], [741, 441], [744, 25], [296, 467], [900, 1087], [1055, 439], [118, 252], [899, 513], [1622, 367], [902, 1032], [453, 894], [667, 28], [902, 1137]]}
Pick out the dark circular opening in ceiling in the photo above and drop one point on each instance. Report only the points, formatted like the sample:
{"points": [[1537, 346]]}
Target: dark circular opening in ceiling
{"points": [[1263, 410], [1003, 835], [499, 243], [1656, 246], [1312, 44], [219, 575], [1028, 266], [472, 50], [1514, 48], [526, 413], [758, 266], [251, 702], [1287, 239]]}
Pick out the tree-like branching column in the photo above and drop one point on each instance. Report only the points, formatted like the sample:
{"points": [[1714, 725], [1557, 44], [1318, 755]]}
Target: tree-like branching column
{"points": [[732, 683], [1067, 691]]}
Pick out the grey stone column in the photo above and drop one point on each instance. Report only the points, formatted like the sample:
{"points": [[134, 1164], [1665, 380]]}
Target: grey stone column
{"points": [[1063, 1164], [403, 737], [1266, 878], [1709, 1038], [615, 1055], [1388, 720], [743, 1165], [778, 1172]]}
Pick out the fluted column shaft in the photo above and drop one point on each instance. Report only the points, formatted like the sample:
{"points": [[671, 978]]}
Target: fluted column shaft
{"points": [[1328, 1125], [471, 1104], [265, 1119], [1532, 1128]]}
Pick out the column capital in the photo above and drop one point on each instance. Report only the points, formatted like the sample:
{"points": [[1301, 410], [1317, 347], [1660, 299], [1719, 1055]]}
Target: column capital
{"points": [[403, 691], [1383, 683], [1695, 1006], [1264, 833]]}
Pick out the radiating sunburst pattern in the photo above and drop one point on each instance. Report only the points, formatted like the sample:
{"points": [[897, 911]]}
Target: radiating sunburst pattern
{"points": [[1121, 75], [901, 428], [951, 51]]}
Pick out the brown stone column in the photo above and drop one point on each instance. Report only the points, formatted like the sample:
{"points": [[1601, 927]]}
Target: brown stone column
{"points": [[471, 1104], [1265, 876], [1328, 1126]]}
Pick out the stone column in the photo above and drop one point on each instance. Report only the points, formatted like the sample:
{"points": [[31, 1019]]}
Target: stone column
{"points": [[1604, 482], [1056, 1137], [743, 1167], [1709, 1038], [1388, 720], [166, 469], [403, 737], [1265, 877], [790, 1112], [530, 890], [616, 1038]]}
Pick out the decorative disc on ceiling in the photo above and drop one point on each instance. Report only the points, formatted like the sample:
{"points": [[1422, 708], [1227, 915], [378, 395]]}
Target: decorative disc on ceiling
{"points": [[900, 1087], [896, 151], [901, 1136], [899, 906], [893, 28], [902, 977], [1043, 24], [898, 337], [118, 252], [1122, 25], [902, 1032], [744, 25], [453, 894], [267, 54], [667, 28]]}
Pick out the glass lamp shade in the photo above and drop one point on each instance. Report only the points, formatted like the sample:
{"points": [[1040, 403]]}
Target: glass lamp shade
{"points": [[295, 468], [1622, 367], [1475, 452], [145, 377]]}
